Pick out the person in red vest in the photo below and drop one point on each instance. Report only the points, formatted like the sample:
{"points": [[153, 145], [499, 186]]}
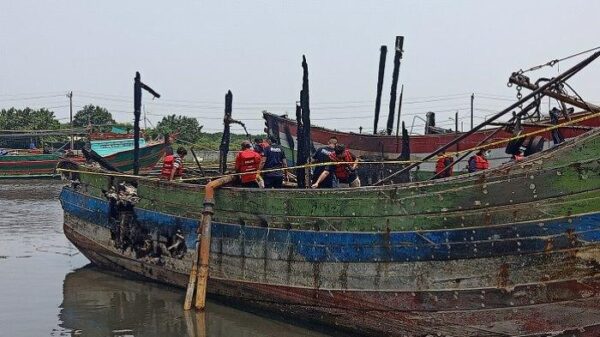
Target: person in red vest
{"points": [[346, 172], [443, 166], [479, 161], [248, 160], [173, 165]]}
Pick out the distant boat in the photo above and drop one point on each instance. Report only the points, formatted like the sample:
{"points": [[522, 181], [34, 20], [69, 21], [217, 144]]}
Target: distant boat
{"points": [[27, 164], [389, 147]]}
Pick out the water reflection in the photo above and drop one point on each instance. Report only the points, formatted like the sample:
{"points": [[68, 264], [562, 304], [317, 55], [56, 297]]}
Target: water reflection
{"points": [[98, 303]]}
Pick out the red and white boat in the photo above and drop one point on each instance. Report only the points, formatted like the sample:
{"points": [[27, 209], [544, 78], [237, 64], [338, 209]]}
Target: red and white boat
{"points": [[285, 129]]}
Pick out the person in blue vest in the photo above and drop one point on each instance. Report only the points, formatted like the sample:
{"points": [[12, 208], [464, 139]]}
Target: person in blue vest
{"points": [[274, 163], [324, 175]]}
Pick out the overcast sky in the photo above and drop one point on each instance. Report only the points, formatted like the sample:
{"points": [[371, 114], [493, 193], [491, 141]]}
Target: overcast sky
{"points": [[193, 52]]}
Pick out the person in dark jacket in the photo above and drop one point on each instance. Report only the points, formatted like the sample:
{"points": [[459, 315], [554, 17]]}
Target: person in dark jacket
{"points": [[324, 175], [274, 162]]}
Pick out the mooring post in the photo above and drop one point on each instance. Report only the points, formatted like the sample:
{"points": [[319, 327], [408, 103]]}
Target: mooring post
{"points": [[382, 55], [397, 58], [224, 147]]}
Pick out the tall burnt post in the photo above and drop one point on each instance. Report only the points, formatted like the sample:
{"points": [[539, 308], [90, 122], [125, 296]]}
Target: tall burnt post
{"points": [[137, 108], [305, 107], [301, 158], [398, 118], [224, 146], [397, 58], [382, 55]]}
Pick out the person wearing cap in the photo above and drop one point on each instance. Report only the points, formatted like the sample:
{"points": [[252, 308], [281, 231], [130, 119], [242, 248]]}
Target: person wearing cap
{"points": [[345, 171], [274, 163], [248, 160]]}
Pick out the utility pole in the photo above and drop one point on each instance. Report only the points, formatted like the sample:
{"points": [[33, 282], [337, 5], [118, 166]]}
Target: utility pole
{"points": [[472, 99], [70, 96]]}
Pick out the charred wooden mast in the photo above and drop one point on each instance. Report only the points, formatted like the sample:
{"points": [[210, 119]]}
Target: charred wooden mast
{"points": [[397, 59], [138, 85], [304, 139], [380, 75]]}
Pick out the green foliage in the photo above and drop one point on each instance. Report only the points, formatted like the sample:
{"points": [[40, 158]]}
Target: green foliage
{"points": [[28, 119], [96, 115], [187, 129]]}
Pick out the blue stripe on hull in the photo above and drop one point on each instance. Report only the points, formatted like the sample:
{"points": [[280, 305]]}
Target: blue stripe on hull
{"points": [[316, 246]]}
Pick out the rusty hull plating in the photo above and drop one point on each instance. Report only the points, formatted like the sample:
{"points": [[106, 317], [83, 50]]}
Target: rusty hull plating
{"points": [[513, 251]]}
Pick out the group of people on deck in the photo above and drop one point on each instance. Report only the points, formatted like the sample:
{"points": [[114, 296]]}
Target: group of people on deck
{"points": [[479, 162], [266, 164]]}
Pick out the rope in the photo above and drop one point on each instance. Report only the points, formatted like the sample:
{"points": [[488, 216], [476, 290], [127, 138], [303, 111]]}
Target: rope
{"points": [[555, 61], [385, 162]]}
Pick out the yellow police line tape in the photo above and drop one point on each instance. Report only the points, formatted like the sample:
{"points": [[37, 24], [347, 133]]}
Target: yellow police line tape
{"points": [[309, 165]]}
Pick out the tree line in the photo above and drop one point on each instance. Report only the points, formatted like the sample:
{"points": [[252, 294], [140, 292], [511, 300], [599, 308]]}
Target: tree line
{"points": [[187, 129]]}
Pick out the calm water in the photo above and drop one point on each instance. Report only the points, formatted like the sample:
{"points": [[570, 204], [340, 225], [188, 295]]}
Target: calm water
{"points": [[47, 288]]}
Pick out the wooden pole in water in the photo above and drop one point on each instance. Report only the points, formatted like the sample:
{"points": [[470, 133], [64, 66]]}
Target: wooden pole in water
{"points": [[382, 55], [397, 58]]}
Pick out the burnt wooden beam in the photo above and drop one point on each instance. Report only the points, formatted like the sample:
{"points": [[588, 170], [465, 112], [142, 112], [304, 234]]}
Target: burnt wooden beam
{"points": [[382, 55], [137, 107], [301, 158], [393, 91], [225, 138], [305, 105]]}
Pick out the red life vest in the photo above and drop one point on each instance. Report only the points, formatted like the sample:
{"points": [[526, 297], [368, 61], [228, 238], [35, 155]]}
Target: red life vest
{"points": [[167, 168], [342, 171], [481, 163], [247, 161], [440, 165]]}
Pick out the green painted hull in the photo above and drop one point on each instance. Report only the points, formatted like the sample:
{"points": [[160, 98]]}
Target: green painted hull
{"points": [[555, 183], [149, 157], [28, 166]]}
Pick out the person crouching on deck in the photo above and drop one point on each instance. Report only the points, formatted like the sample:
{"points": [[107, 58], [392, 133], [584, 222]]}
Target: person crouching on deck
{"points": [[346, 171], [248, 160], [173, 165], [479, 161]]}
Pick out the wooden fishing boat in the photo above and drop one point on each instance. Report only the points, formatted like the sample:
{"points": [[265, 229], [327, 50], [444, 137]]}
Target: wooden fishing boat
{"points": [[511, 251], [25, 164], [149, 157], [285, 131]]}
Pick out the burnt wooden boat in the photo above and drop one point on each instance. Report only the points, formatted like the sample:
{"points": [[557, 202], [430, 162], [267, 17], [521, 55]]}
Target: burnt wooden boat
{"points": [[285, 131], [512, 251]]}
